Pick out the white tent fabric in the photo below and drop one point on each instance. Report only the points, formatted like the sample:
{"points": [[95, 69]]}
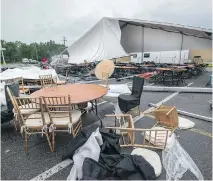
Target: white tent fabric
{"points": [[149, 36], [100, 42], [112, 38], [27, 73], [91, 149]]}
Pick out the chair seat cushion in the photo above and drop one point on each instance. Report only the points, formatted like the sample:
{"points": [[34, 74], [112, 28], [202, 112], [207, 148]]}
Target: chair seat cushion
{"points": [[151, 157], [127, 102], [184, 123], [64, 120], [37, 121], [22, 91], [29, 111]]}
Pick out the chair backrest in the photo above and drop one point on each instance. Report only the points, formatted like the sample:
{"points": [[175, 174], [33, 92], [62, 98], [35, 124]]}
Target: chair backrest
{"points": [[137, 86], [11, 91], [147, 138], [26, 103], [46, 80], [61, 105]]}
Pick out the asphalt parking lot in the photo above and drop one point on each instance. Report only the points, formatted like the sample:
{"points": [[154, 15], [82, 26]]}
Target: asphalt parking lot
{"points": [[17, 165]]}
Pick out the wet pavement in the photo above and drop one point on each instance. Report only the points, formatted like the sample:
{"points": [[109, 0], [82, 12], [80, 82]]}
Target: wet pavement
{"points": [[17, 165]]}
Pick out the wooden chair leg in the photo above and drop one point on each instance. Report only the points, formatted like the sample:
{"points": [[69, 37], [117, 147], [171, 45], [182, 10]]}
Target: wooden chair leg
{"points": [[139, 113], [15, 124], [48, 139], [53, 141], [26, 141]]}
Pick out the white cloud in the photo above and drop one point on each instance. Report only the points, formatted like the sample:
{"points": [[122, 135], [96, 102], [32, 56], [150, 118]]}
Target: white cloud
{"points": [[42, 20]]}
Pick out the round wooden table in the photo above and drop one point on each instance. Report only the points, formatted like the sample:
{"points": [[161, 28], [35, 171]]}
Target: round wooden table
{"points": [[79, 93]]}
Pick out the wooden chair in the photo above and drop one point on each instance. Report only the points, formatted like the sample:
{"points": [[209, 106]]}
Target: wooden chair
{"points": [[63, 116], [49, 81], [25, 108], [150, 138], [22, 88], [167, 117], [20, 80], [36, 123]]}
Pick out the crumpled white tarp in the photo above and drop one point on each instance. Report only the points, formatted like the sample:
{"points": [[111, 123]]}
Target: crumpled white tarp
{"points": [[2, 94], [177, 161], [90, 149], [99, 43], [27, 73]]}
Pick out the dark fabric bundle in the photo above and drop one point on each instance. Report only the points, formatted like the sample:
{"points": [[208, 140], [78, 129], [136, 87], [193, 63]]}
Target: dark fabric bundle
{"points": [[112, 164], [7, 110]]}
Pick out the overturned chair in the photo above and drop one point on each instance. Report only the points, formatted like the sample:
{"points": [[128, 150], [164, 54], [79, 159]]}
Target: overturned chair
{"points": [[148, 138], [156, 138], [165, 116]]}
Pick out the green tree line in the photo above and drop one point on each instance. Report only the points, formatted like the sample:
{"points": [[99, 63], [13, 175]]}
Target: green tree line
{"points": [[16, 51]]}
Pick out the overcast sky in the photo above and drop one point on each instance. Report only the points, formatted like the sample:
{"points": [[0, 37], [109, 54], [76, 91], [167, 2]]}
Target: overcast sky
{"points": [[43, 20]]}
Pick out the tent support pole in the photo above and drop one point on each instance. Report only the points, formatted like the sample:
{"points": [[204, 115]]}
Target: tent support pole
{"points": [[2, 54], [181, 46], [142, 43]]}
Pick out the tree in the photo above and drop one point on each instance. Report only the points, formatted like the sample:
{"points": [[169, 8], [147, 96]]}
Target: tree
{"points": [[18, 50]]}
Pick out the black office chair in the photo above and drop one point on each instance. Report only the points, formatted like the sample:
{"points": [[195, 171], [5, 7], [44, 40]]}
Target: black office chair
{"points": [[7, 110], [128, 101]]}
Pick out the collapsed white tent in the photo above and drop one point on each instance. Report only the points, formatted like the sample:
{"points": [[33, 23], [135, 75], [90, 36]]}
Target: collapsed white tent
{"points": [[101, 42], [111, 38], [27, 73]]}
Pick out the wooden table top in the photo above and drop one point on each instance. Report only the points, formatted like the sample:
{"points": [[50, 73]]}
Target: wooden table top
{"points": [[172, 69], [126, 67], [147, 65], [79, 93]]}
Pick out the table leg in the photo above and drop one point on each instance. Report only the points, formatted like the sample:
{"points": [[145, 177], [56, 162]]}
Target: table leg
{"points": [[96, 112], [172, 77], [96, 107], [163, 77]]}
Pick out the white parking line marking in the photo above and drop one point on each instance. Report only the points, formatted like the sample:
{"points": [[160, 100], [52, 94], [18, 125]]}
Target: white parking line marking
{"points": [[158, 104], [45, 175]]}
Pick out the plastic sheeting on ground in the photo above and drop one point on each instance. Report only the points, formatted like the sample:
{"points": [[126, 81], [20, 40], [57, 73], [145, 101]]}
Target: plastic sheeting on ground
{"points": [[90, 149], [177, 161], [27, 73], [99, 43]]}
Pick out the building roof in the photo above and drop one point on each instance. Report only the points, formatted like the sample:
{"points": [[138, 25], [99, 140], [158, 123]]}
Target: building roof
{"points": [[169, 27]]}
